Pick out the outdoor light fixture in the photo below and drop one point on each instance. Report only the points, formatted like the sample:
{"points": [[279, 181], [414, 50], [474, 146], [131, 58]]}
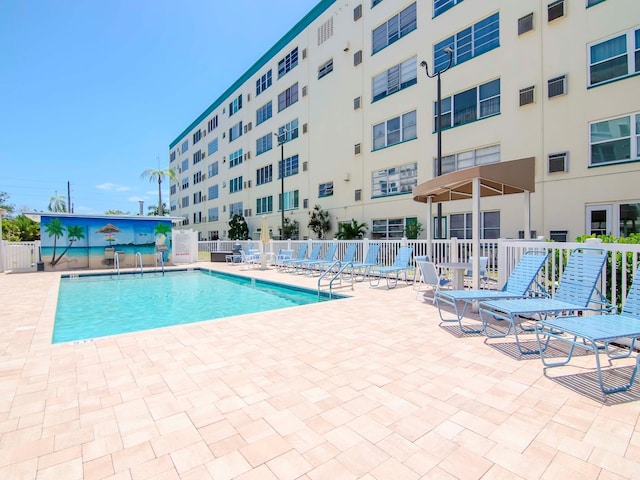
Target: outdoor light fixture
{"points": [[449, 52]]}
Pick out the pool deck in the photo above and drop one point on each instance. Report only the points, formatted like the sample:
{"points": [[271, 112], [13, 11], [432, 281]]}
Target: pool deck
{"points": [[369, 387]]}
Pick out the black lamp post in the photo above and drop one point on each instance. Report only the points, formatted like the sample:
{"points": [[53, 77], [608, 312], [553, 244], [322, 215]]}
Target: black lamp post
{"points": [[281, 139], [448, 51]]}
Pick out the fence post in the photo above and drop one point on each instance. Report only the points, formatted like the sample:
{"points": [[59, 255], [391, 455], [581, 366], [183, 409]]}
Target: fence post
{"points": [[453, 253], [502, 263]]}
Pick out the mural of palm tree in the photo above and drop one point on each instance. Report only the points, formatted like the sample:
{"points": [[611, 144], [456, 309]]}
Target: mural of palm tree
{"points": [[54, 229], [157, 175], [74, 233]]}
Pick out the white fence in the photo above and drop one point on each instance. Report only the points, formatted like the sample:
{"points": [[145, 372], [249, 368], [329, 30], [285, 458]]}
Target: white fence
{"points": [[19, 256]]}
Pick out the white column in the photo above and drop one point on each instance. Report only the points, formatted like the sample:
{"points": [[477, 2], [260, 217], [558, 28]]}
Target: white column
{"points": [[527, 215], [475, 212], [430, 228]]}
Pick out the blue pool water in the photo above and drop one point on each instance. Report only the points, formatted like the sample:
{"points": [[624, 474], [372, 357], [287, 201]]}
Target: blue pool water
{"points": [[100, 305]]}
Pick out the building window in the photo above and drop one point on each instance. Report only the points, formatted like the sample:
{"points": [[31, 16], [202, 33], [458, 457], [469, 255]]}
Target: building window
{"points": [[173, 189], [185, 165], [288, 63], [197, 177], [235, 131], [197, 157], [197, 198], [290, 166], [235, 184], [394, 131], [468, 43], [288, 132], [375, 2], [527, 95], [264, 205], [357, 58], [213, 214], [264, 175], [264, 144], [235, 105], [172, 156], [325, 190], [185, 202], [263, 83], [461, 225], [235, 158], [591, 3], [629, 219], [395, 79], [197, 136], [615, 140], [212, 124], [325, 69], [356, 103], [357, 13], [387, 228], [288, 97], [394, 29], [614, 58], [469, 158], [357, 195], [441, 6], [213, 170], [555, 10], [558, 235], [212, 147], [264, 113], [557, 86], [473, 104], [291, 200], [235, 209], [394, 180], [558, 162], [525, 24], [357, 149], [185, 146], [213, 192]]}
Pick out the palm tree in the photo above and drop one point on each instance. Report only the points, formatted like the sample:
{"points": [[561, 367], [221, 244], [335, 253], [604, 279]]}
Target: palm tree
{"points": [[57, 203], [157, 175], [55, 229], [351, 231]]}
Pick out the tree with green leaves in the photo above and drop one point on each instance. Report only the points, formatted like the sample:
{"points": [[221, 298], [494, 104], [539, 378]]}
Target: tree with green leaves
{"points": [[413, 229], [4, 203], [116, 212], [20, 229], [238, 229], [57, 203], [319, 223], [153, 209], [157, 176], [291, 229], [74, 233], [351, 231]]}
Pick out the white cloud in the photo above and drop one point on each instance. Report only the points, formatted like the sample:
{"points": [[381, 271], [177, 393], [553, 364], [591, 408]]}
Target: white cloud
{"points": [[112, 187]]}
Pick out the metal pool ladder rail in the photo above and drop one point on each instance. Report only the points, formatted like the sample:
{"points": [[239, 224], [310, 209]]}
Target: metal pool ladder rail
{"points": [[116, 262], [337, 276], [160, 260], [139, 257]]}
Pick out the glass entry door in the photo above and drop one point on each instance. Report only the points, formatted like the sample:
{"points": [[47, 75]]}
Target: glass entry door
{"points": [[599, 219]]}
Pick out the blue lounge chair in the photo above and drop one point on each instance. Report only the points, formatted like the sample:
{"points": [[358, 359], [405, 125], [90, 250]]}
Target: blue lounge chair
{"points": [[575, 293], [328, 259], [296, 265], [521, 283], [282, 256], [302, 252], [430, 277], [592, 331], [361, 270], [400, 265]]}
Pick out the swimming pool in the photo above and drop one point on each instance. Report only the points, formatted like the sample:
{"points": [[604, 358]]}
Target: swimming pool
{"points": [[100, 305]]}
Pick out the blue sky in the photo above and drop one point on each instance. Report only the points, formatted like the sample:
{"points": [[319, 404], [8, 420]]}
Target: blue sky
{"points": [[93, 92]]}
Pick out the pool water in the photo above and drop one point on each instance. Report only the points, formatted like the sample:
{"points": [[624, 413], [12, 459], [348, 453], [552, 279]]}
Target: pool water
{"points": [[96, 306]]}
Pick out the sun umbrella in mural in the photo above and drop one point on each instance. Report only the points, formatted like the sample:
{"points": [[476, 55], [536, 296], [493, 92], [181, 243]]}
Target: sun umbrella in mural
{"points": [[109, 229]]}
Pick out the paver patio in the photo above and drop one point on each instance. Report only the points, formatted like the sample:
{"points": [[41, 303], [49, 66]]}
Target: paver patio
{"points": [[368, 387]]}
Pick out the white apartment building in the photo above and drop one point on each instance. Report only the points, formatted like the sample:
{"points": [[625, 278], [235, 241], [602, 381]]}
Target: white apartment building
{"points": [[557, 81]]}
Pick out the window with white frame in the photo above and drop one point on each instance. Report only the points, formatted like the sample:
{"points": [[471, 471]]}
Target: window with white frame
{"points": [[213, 192], [264, 144], [264, 175], [394, 180], [213, 214], [395, 79], [291, 200], [185, 165], [235, 158], [395, 130], [264, 113], [185, 146], [263, 82], [615, 140], [197, 198], [325, 189], [212, 146], [387, 228], [288, 97], [614, 58], [468, 43], [288, 62], [235, 209], [235, 184], [264, 205], [325, 69], [288, 132], [473, 104], [290, 166], [629, 219], [468, 158], [212, 170], [461, 226], [173, 205], [235, 131], [185, 183], [185, 202], [441, 6], [394, 29], [173, 189], [235, 105]]}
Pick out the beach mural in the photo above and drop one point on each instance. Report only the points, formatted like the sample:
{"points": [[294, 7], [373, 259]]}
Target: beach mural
{"points": [[75, 241]]}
